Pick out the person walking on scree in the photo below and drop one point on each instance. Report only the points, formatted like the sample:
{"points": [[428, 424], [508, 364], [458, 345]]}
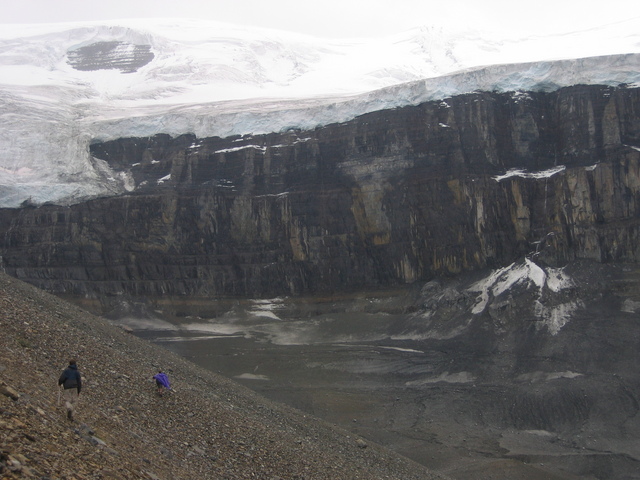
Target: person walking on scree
{"points": [[162, 382], [71, 382]]}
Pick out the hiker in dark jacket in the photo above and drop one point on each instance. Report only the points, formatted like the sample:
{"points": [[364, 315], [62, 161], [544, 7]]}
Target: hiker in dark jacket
{"points": [[71, 382]]}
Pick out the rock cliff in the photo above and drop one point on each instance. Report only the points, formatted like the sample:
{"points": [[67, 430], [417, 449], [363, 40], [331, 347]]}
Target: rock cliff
{"points": [[390, 198], [112, 55]]}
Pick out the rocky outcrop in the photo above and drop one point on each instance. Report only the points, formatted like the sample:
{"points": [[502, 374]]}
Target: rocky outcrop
{"points": [[112, 55], [390, 198]]}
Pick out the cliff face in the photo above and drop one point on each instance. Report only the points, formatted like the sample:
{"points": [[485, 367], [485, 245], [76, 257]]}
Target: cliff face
{"points": [[390, 198], [112, 55]]}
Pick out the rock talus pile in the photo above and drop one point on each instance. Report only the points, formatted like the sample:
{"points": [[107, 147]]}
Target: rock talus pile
{"points": [[208, 428]]}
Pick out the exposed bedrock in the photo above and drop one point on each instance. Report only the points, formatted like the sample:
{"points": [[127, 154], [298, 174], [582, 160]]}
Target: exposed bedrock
{"points": [[390, 198], [112, 55]]}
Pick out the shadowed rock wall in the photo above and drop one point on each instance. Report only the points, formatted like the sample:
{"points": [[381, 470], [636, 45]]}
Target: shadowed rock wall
{"points": [[390, 198], [113, 55]]}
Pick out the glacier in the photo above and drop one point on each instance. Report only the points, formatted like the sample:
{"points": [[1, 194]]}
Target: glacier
{"points": [[213, 79]]}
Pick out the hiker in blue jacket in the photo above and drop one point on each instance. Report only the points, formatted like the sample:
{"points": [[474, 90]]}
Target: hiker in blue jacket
{"points": [[71, 382], [162, 382]]}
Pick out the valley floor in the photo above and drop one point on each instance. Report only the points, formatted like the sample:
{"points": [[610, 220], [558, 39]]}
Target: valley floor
{"points": [[496, 395], [208, 428]]}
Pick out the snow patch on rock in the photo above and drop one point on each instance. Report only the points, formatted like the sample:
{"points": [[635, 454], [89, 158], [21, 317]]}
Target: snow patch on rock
{"points": [[547, 282]]}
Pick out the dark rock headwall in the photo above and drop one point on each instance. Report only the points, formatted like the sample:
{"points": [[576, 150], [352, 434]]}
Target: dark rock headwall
{"points": [[390, 198], [113, 55]]}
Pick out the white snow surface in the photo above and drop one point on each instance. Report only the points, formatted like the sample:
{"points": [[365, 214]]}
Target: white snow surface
{"points": [[210, 79], [522, 173]]}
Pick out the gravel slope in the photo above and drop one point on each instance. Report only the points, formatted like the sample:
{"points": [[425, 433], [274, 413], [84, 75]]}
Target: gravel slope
{"points": [[209, 428]]}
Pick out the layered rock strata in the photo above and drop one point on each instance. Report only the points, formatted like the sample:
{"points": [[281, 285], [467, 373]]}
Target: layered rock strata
{"points": [[390, 198], [112, 55]]}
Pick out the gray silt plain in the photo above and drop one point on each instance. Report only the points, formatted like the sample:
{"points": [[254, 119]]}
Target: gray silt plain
{"points": [[492, 395]]}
